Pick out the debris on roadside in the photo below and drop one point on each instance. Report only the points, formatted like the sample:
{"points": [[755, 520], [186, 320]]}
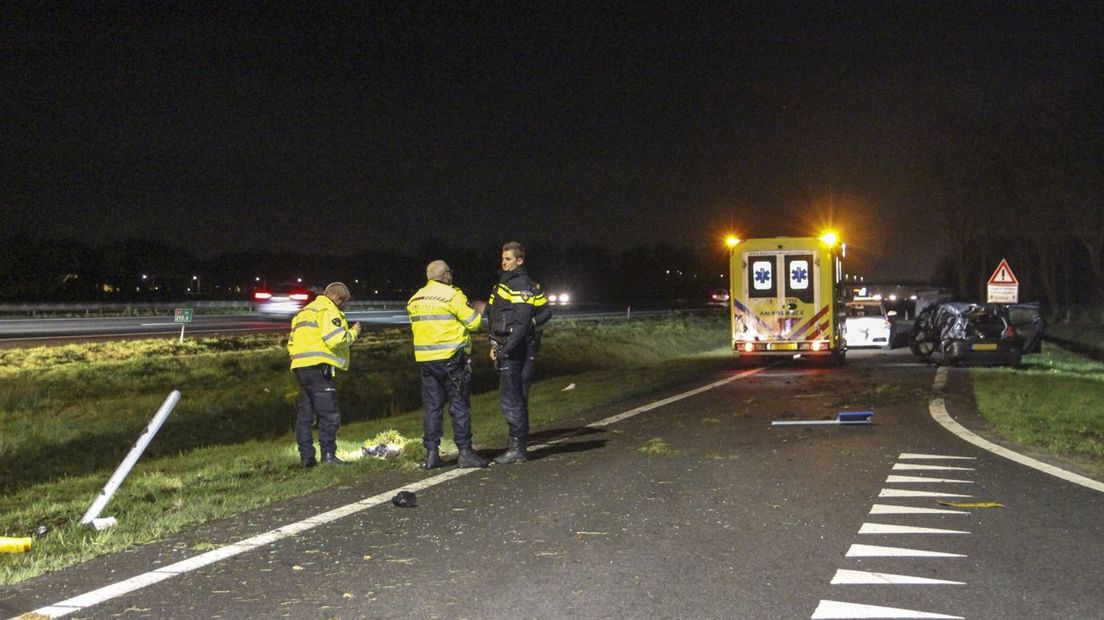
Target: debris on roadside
{"points": [[405, 499]]}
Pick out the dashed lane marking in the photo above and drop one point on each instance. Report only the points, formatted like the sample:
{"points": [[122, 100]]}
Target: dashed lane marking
{"points": [[115, 590], [889, 528], [832, 610], [899, 479], [887, 509], [910, 455], [918, 467], [861, 577], [908, 493], [877, 551]]}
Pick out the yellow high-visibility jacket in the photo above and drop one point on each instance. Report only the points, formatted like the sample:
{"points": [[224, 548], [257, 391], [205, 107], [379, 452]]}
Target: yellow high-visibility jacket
{"points": [[441, 320], [320, 334]]}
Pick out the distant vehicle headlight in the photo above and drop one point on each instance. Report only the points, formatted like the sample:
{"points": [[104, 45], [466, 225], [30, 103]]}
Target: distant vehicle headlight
{"points": [[553, 298]]}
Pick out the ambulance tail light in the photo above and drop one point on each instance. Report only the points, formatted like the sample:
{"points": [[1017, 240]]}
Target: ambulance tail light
{"points": [[748, 347], [820, 345]]}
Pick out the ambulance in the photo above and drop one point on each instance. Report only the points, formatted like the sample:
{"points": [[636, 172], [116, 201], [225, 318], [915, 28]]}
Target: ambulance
{"points": [[787, 299]]}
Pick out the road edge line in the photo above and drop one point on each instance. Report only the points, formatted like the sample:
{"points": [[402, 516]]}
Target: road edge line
{"points": [[137, 582], [938, 410]]}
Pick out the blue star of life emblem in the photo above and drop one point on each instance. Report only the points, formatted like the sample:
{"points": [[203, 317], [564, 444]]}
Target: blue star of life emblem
{"points": [[799, 275], [762, 276]]}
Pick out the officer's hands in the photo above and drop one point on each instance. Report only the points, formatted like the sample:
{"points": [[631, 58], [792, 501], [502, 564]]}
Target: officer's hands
{"points": [[356, 329], [478, 306], [494, 355]]}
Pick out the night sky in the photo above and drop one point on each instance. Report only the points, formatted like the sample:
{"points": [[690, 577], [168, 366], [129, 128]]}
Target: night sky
{"points": [[328, 128]]}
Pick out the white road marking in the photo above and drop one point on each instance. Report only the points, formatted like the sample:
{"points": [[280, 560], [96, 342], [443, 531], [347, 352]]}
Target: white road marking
{"points": [[667, 401], [889, 528], [910, 455], [159, 324], [861, 577], [115, 590], [876, 551], [916, 467], [907, 493], [900, 479], [939, 413], [833, 610], [888, 509]]}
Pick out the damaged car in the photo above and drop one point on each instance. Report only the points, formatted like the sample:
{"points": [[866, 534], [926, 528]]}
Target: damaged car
{"points": [[976, 334]]}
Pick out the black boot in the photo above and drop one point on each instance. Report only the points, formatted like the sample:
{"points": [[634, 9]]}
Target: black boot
{"points": [[470, 458], [306, 462], [433, 459], [330, 458], [515, 453]]}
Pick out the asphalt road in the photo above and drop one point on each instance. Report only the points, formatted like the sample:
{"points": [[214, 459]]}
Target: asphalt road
{"points": [[734, 519]]}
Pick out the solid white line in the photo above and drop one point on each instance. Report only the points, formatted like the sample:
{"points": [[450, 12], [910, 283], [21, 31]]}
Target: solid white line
{"points": [[875, 551], [834, 610], [907, 493], [115, 590], [915, 467], [861, 577], [667, 401], [910, 455], [889, 509], [900, 479], [939, 413], [889, 528]]}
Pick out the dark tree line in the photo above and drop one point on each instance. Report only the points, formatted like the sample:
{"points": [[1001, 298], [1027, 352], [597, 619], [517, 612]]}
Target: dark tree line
{"points": [[137, 270], [1032, 193]]}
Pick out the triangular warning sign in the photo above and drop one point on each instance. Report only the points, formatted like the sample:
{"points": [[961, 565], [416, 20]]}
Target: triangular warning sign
{"points": [[1003, 274]]}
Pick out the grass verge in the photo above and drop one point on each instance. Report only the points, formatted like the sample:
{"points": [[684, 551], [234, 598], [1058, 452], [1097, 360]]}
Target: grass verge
{"points": [[1055, 401], [69, 414]]}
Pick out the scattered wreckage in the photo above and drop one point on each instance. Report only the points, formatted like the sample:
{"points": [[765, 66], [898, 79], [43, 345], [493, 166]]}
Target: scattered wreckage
{"points": [[954, 332]]}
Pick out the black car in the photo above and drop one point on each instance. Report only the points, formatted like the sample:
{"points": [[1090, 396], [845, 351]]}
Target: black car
{"points": [[983, 334]]}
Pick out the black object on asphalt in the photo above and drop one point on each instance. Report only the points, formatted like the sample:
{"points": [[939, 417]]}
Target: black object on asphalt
{"points": [[405, 499]]}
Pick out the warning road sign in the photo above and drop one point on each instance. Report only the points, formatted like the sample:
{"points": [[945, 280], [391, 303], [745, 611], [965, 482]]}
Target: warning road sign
{"points": [[1003, 274], [1003, 287]]}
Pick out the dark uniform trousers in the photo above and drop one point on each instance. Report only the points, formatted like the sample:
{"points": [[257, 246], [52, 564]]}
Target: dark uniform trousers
{"points": [[447, 381], [317, 398], [514, 378]]}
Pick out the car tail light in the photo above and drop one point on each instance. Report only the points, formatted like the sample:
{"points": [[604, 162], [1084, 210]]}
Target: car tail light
{"points": [[262, 295], [1009, 332], [300, 296]]}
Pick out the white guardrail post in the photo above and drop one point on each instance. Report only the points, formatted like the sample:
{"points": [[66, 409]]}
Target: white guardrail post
{"points": [[93, 513]]}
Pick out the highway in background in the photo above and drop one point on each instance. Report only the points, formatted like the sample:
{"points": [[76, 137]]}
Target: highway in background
{"points": [[24, 332]]}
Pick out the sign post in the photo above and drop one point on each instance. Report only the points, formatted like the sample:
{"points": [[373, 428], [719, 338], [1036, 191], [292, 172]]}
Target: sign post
{"points": [[182, 316], [1003, 287]]}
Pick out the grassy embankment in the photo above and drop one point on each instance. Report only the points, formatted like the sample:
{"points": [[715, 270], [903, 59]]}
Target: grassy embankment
{"points": [[68, 415], [1055, 401]]}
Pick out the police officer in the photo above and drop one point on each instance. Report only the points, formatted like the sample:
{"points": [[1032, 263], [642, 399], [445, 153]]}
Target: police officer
{"points": [[515, 310], [319, 345], [441, 320]]}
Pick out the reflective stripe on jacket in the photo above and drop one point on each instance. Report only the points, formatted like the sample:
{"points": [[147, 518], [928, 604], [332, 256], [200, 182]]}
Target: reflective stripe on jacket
{"points": [[441, 320], [320, 334], [515, 308]]}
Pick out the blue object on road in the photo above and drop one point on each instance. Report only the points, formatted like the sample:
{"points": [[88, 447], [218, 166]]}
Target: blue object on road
{"points": [[843, 418]]}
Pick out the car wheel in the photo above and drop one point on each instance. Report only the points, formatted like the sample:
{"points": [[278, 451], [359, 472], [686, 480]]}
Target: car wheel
{"points": [[922, 348]]}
